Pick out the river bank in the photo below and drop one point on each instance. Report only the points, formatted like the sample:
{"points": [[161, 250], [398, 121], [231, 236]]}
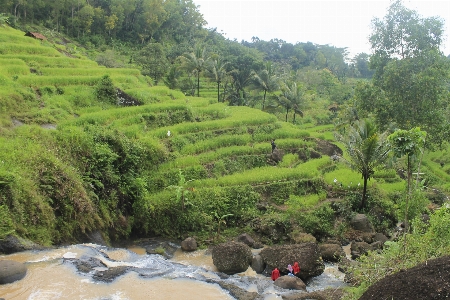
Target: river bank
{"points": [[188, 275]]}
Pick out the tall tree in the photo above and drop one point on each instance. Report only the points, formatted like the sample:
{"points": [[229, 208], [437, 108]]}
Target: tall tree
{"points": [[291, 98], [266, 80], [360, 63], [195, 62], [153, 61], [410, 143], [367, 149], [411, 74], [241, 78], [85, 19], [217, 71], [183, 21], [150, 19]]}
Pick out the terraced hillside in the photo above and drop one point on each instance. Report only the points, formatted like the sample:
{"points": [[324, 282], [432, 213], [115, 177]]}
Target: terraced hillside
{"points": [[173, 164]]}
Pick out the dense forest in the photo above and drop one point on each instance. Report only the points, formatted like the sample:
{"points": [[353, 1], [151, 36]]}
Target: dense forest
{"points": [[133, 118], [177, 27]]}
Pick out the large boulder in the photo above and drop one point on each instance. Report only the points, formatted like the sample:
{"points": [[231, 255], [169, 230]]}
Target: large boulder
{"points": [[379, 237], [11, 271], [429, 280], [290, 283], [189, 244], [110, 274], [95, 237], [277, 155], [306, 254], [237, 292], [331, 252], [359, 248], [258, 264], [86, 264], [164, 248], [360, 222], [246, 239], [232, 257], [12, 244]]}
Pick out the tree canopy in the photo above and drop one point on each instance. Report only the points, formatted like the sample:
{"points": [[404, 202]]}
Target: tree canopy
{"points": [[410, 85]]}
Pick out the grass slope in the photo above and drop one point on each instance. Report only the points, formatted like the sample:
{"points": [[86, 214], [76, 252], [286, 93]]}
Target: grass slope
{"points": [[71, 163]]}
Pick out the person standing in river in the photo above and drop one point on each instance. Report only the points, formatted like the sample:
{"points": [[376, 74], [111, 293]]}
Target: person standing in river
{"points": [[275, 274], [296, 268]]}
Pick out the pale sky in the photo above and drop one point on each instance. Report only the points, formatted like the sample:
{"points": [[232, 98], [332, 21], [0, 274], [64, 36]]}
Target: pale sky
{"points": [[339, 23]]}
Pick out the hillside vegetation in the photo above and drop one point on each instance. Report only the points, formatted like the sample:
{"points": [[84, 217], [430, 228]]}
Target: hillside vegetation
{"points": [[83, 164], [88, 148]]}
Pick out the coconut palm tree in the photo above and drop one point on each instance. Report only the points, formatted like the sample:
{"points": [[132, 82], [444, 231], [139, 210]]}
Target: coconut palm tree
{"points": [[367, 149], [171, 78], [291, 98], [266, 80], [217, 71], [240, 79], [195, 62]]}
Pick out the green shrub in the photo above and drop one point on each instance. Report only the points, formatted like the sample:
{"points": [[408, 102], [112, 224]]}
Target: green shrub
{"points": [[319, 222], [380, 209], [105, 90], [273, 227], [417, 205], [47, 90], [161, 214], [167, 118]]}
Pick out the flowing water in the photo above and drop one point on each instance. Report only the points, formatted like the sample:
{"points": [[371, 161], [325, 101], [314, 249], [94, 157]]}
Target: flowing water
{"points": [[188, 275]]}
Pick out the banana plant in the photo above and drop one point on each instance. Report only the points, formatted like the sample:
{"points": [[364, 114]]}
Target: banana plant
{"points": [[220, 221]]}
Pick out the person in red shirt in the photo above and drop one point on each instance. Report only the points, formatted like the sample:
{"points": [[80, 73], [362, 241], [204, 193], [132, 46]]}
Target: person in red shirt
{"points": [[296, 268], [275, 274]]}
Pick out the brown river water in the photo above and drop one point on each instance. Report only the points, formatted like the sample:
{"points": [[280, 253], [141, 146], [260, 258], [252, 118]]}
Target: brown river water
{"points": [[49, 278]]}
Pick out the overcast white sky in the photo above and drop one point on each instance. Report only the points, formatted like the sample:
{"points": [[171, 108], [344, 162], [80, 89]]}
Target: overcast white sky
{"points": [[335, 22]]}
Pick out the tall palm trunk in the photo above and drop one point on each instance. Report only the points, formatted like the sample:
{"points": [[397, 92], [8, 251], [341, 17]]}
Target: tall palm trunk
{"points": [[408, 196], [218, 91], [198, 83], [264, 99], [364, 195]]}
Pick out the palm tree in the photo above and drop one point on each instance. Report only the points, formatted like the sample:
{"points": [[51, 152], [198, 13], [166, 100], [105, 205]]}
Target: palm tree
{"points": [[266, 80], [171, 78], [217, 71], [241, 79], [195, 62], [291, 98], [367, 149]]}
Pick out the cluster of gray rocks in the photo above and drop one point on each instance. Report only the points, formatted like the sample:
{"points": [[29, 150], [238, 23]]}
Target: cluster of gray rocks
{"points": [[236, 256]]}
